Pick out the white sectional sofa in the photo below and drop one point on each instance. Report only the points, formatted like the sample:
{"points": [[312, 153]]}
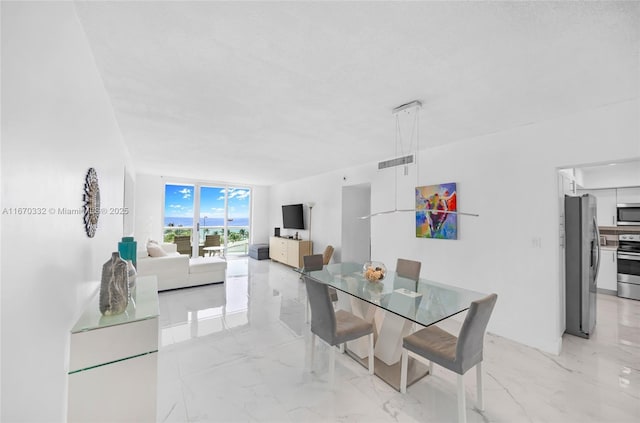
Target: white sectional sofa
{"points": [[179, 271]]}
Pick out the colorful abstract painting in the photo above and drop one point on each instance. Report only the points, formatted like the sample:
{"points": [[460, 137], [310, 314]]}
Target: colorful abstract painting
{"points": [[433, 204]]}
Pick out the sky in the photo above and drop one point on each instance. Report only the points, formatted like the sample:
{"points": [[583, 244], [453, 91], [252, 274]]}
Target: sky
{"points": [[179, 201]]}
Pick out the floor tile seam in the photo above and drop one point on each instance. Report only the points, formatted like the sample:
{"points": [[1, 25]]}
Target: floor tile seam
{"points": [[286, 327], [235, 337], [272, 346], [190, 343], [184, 402], [278, 345], [178, 324], [225, 333], [510, 395], [183, 376]]}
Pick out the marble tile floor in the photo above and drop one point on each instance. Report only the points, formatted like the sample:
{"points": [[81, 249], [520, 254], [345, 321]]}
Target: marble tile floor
{"points": [[239, 352]]}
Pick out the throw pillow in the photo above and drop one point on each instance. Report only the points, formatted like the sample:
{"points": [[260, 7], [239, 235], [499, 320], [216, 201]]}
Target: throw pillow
{"points": [[155, 250]]}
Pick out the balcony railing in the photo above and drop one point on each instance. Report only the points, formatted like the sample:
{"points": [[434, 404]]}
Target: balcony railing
{"points": [[237, 237]]}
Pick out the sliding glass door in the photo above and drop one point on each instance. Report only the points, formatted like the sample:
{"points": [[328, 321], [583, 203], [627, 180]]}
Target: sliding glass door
{"points": [[238, 213], [179, 223], [200, 210]]}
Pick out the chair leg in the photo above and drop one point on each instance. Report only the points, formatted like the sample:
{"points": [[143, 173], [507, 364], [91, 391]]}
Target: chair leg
{"points": [[307, 312], [479, 386], [342, 348], [332, 365], [313, 347], [371, 356], [403, 371], [462, 407], [431, 368]]}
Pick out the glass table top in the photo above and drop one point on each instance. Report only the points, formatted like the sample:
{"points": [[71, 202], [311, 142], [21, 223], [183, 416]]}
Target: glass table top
{"points": [[425, 302], [144, 306]]}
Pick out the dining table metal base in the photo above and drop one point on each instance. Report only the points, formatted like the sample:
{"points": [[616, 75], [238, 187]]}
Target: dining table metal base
{"points": [[416, 370]]}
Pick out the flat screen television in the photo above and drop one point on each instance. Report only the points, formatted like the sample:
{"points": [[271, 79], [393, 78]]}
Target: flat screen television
{"points": [[293, 216]]}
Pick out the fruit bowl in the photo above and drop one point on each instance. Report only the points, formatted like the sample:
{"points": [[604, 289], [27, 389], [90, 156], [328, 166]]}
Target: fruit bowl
{"points": [[374, 271]]}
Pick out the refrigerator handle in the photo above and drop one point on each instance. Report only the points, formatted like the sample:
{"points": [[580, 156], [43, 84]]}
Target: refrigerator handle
{"points": [[595, 225]]}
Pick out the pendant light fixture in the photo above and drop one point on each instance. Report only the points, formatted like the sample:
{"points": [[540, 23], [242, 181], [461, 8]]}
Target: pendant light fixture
{"points": [[405, 160]]}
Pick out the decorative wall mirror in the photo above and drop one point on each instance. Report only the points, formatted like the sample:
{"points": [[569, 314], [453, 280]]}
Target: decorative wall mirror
{"points": [[91, 202]]}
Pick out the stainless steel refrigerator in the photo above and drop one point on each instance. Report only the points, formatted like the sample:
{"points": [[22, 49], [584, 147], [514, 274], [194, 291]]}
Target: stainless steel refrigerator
{"points": [[582, 262]]}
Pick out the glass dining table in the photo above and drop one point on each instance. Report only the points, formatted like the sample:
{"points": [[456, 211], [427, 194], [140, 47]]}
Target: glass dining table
{"points": [[396, 305]]}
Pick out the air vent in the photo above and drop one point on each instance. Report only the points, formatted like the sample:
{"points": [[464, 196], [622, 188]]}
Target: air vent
{"points": [[396, 162]]}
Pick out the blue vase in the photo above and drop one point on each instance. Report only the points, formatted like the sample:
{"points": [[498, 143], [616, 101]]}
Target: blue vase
{"points": [[128, 249]]}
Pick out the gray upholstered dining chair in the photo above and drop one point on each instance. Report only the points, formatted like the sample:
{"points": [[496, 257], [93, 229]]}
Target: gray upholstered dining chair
{"points": [[409, 269], [457, 354], [313, 262], [316, 262], [409, 272], [335, 327]]}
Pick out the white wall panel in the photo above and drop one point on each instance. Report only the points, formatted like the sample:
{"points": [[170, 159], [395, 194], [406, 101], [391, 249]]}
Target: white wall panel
{"points": [[149, 204], [57, 122]]}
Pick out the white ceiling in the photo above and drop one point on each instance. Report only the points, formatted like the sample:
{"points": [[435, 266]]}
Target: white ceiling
{"points": [[264, 92]]}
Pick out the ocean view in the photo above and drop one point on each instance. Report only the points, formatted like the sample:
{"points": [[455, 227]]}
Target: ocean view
{"points": [[209, 221]]}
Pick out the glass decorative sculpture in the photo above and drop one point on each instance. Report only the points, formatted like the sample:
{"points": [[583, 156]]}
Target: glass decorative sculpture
{"points": [[132, 274], [114, 286]]}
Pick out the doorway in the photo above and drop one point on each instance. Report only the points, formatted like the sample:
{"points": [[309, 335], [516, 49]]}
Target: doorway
{"points": [[356, 232]]}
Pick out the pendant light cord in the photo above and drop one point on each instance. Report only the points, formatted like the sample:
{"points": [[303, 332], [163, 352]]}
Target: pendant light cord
{"points": [[415, 130], [395, 171]]}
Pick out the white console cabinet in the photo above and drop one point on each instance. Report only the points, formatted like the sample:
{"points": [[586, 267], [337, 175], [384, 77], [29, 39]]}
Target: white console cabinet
{"points": [[113, 361], [288, 251]]}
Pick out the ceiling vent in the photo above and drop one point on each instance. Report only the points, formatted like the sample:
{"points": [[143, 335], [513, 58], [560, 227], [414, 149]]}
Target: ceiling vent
{"points": [[396, 162]]}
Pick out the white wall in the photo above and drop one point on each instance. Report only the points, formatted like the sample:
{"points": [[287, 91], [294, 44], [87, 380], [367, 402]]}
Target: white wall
{"points": [[129, 201], [260, 230], [149, 202], [578, 176], [510, 179], [325, 191], [57, 122]]}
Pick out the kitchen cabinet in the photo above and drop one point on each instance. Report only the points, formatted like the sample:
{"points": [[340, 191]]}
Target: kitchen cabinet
{"points": [[628, 195], [288, 251], [607, 211], [608, 273], [606, 205], [113, 361]]}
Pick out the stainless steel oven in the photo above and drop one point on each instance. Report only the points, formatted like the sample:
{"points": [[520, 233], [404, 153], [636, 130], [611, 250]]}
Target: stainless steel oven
{"points": [[628, 214], [629, 266]]}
